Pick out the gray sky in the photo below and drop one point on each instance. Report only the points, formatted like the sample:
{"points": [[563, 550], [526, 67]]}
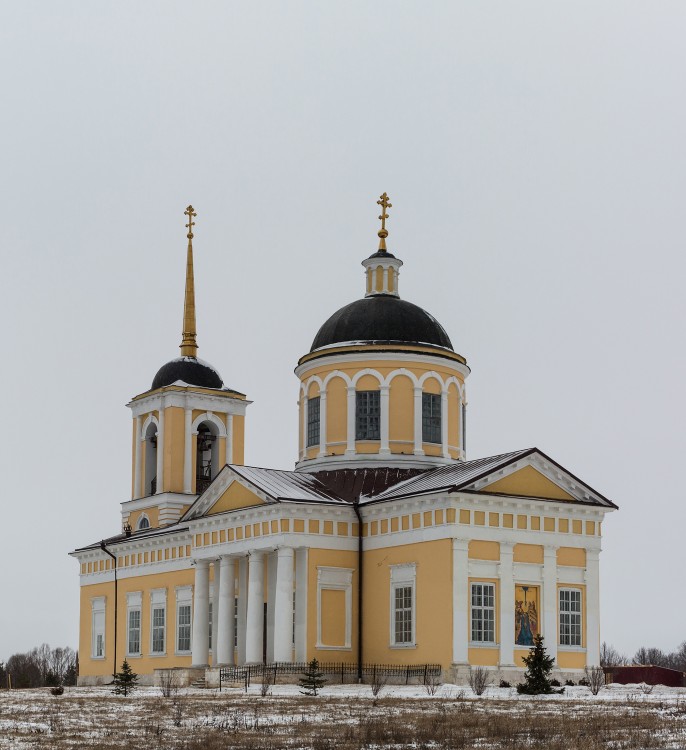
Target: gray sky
{"points": [[534, 155]]}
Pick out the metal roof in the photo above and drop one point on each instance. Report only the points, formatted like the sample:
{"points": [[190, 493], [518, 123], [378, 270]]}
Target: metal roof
{"points": [[449, 477], [287, 485], [461, 476]]}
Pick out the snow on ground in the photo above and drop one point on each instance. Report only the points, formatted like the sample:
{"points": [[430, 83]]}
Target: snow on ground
{"points": [[94, 717]]}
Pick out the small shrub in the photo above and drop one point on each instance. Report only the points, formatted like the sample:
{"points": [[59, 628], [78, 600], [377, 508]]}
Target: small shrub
{"points": [[432, 683], [169, 683], [504, 684], [646, 689], [595, 677], [569, 683], [57, 690], [555, 683], [267, 683], [479, 679], [583, 682], [378, 683]]}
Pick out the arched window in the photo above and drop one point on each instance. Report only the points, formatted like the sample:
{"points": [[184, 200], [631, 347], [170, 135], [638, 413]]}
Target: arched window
{"points": [[150, 459], [207, 456], [143, 523]]}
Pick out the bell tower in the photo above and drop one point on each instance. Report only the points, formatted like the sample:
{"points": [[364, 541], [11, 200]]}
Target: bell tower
{"points": [[186, 426]]}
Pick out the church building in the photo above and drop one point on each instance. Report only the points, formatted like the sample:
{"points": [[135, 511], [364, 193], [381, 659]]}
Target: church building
{"points": [[384, 544]]}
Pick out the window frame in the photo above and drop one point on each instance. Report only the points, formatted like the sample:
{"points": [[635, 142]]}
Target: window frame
{"points": [[313, 436], [569, 614], [432, 423], [483, 608], [403, 576], [367, 434], [158, 603], [134, 602], [184, 598], [98, 611]]}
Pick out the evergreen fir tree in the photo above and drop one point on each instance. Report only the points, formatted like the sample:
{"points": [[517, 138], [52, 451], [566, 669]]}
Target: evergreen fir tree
{"points": [[312, 680], [124, 681], [538, 668]]}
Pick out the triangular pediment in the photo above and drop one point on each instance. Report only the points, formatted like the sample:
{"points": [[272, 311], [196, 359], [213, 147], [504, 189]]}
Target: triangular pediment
{"points": [[527, 482], [236, 496], [228, 491]]}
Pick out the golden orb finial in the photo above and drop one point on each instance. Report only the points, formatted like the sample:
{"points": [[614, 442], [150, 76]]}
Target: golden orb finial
{"points": [[383, 232], [189, 347]]}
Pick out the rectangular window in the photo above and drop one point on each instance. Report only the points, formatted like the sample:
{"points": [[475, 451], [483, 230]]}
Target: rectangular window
{"points": [[403, 614], [431, 417], [134, 634], [183, 628], [313, 421], [98, 627], [483, 613], [367, 415], [158, 621], [570, 617]]}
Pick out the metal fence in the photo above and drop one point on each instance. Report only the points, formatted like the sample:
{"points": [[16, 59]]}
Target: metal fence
{"points": [[336, 671]]}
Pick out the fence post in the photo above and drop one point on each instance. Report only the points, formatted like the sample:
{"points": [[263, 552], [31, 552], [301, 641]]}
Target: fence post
{"points": [[407, 676]]}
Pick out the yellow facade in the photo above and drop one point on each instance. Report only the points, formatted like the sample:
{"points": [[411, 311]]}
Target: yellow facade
{"points": [[395, 531]]}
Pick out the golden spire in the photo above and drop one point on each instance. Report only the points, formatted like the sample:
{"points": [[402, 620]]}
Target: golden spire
{"points": [[188, 346], [383, 232]]}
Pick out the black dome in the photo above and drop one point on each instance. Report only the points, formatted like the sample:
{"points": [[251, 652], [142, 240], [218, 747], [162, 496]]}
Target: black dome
{"points": [[190, 370], [381, 317]]}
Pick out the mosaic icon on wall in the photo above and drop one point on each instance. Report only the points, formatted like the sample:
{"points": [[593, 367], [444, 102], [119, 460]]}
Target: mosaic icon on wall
{"points": [[526, 614]]}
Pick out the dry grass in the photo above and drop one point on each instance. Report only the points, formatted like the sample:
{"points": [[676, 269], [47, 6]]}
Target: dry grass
{"points": [[210, 721]]}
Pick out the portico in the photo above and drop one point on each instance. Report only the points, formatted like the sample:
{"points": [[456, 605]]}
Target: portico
{"points": [[264, 615]]}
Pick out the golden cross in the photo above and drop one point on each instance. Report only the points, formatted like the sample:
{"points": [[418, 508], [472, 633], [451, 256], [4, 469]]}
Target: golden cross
{"points": [[190, 213], [384, 203], [383, 232]]}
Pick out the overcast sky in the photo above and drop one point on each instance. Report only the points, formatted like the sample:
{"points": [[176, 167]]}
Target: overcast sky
{"points": [[534, 155]]}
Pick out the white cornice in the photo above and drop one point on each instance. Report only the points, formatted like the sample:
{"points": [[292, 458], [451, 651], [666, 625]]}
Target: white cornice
{"points": [[372, 461], [188, 399], [381, 356], [164, 499]]}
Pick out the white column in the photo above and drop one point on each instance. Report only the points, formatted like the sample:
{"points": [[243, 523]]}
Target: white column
{"points": [[188, 452], [303, 452], [270, 560], [283, 606], [223, 635], [384, 399], [160, 451], [418, 450], [550, 628], [322, 423], [216, 583], [229, 439], [301, 605], [255, 614], [385, 279], [444, 424], [242, 607], [137, 460], [507, 605], [201, 605], [460, 601], [592, 578], [350, 450]]}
